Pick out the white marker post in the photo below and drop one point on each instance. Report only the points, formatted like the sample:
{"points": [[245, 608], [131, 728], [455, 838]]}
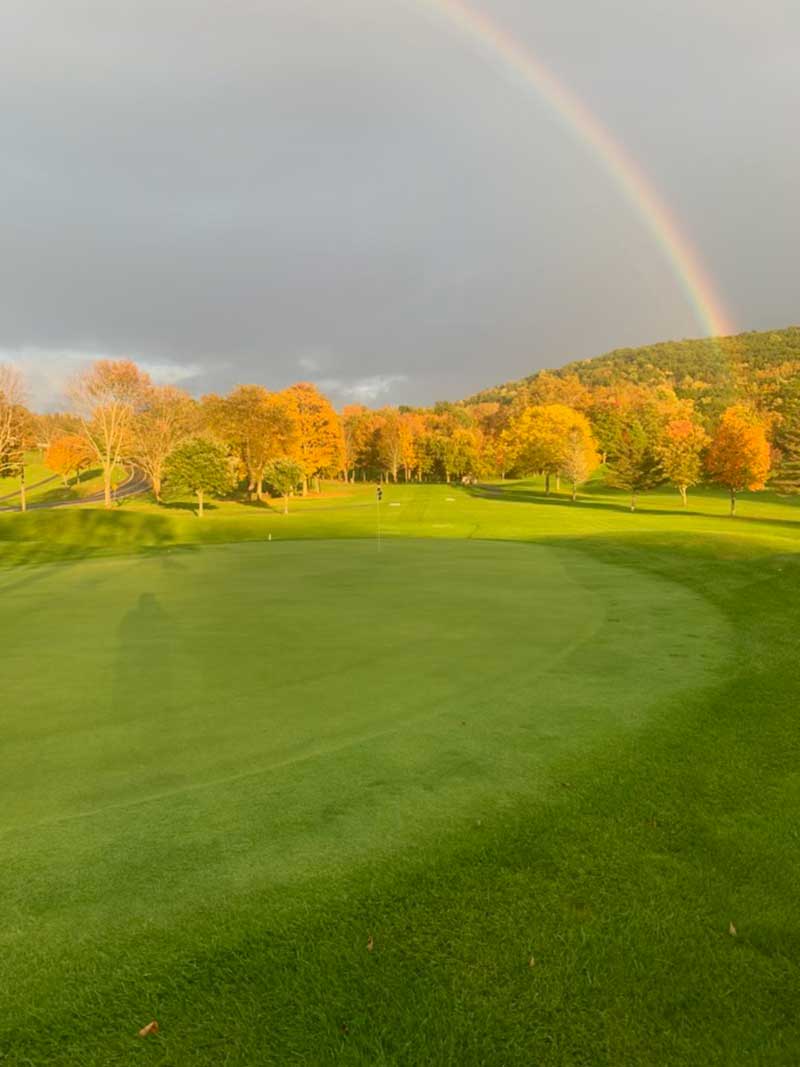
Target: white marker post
{"points": [[378, 498]]}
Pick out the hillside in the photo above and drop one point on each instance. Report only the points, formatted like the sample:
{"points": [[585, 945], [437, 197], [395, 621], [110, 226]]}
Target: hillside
{"points": [[713, 371]]}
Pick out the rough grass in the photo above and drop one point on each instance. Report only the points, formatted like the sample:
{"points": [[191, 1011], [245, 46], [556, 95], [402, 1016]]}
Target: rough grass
{"points": [[244, 760]]}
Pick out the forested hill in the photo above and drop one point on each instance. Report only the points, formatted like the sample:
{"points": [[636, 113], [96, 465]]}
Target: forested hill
{"points": [[714, 372]]}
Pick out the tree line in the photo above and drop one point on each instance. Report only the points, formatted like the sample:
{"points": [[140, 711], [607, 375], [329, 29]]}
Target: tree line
{"points": [[257, 442]]}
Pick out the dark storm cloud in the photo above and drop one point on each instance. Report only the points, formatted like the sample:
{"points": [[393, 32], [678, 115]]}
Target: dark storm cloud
{"points": [[353, 192]]}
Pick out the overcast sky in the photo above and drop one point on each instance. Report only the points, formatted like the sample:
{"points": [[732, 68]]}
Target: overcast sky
{"points": [[350, 191]]}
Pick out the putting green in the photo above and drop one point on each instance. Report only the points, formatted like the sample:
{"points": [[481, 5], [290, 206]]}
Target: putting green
{"points": [[187, 732]]}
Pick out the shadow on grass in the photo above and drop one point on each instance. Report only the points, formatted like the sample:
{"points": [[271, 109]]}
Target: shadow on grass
{"points": [[186, 505]]}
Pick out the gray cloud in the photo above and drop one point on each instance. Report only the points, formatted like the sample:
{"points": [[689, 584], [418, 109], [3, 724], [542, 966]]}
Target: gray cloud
{"points": [[355, 192]]}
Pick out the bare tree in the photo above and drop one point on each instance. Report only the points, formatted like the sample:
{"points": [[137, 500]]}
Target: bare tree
{"points": [[106, 397], [168, 418], [17, 428], [12, 398]]}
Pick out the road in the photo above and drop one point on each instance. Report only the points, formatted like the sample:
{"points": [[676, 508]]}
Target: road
{"points": [[136, 482], [30, 488]]}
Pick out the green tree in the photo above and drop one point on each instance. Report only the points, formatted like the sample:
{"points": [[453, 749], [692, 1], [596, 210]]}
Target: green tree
{"points": [[284, 475], [636, 466], [787, 479], [787, 441], [201, 466]]}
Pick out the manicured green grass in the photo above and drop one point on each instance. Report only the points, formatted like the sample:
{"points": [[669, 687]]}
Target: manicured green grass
{"points": [[35, 471], [521, 730], [54, 490]]}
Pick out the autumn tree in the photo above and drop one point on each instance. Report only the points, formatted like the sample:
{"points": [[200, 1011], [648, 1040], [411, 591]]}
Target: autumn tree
{"points": [[51, 426], [681, 454], [579, 457], [412, 426], [19, 438], [200, 466], [318, 445], [536, 438], [739, 455], [565, 389], [390, 441], [67, 454], [12, 399], [107, 397], [357, 431], [636, 466], [284, 475], [257, 425], [168, 417]]}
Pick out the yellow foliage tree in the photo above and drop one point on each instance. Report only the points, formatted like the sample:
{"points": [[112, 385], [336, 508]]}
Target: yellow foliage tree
{"points": [[319, 445]]}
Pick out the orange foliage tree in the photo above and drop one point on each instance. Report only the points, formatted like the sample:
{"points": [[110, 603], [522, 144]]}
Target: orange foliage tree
{"points": [[739, 455], [319, 446], [258, 426], [681, 453], [67, 454]]}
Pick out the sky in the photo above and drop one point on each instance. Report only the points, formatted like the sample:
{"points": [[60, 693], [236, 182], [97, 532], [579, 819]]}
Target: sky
{"points": [[361, 194]]}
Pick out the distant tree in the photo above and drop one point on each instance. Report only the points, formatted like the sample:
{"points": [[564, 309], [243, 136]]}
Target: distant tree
{"points": [[787, 476], [168, 416], [786, 439], [53, 425], [19, 438], [636, 466], [412, 426], [67, 454], [12, 398], [537, 435], [579, 458], [319, 444], [390, 441], [463, 452], [681, 454], [201, 466], [565, 389], [284, 475], [357, 432], [107, 397], [257, 425], [739, 455]]}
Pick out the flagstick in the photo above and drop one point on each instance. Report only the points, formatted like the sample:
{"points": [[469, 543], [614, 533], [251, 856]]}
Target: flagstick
{"points": [[378, 494]]}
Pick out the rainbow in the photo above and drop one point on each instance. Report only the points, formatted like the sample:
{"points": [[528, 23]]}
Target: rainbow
{"points": [[518, 60]]}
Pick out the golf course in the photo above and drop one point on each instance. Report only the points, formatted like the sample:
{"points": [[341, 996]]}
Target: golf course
{"points": [[475, 775]]}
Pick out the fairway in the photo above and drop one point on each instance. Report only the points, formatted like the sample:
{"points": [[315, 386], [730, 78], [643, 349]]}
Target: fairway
{"points": [[226, 766]]}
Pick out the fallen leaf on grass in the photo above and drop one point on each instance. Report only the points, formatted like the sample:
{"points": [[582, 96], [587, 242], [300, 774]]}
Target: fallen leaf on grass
{"points": [[732, 930], [532, 962], [151, 1028], [370, 944]]}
